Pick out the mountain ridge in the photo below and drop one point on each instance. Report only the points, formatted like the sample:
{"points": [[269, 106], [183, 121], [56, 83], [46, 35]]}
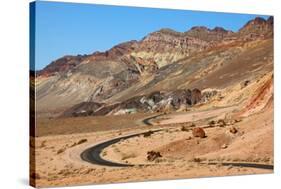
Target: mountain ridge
{"points": [[164, 63], [200, 35]]}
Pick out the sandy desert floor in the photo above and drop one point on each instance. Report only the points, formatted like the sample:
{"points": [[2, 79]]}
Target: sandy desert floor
{"points": [[58, 160]]}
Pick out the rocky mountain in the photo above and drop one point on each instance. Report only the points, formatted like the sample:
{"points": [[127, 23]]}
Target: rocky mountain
{"points": [[177, 67], [257, 28]]}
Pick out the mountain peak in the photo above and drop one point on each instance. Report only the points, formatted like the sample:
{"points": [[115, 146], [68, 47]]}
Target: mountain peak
{"points": [[199, 29], [256, 21], [258, 26], [163, 32], [270, 20], [219, 29], [206, 34]]}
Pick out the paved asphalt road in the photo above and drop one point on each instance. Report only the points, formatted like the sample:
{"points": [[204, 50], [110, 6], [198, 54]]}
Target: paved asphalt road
{"points": [[93, 154]]}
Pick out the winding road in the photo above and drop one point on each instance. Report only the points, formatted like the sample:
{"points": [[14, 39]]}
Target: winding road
{"points": [[93, 154]]}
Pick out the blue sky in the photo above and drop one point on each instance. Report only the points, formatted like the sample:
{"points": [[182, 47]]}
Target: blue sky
{"points": [[71, 29]]}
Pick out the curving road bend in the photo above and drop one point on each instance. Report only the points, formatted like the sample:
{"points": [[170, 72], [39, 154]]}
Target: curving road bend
{"points": [[93, 154]]}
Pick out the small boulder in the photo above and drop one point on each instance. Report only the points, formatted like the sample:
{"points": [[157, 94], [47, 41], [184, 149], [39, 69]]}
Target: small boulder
{"points": [[237, 120], [198, 132], [152, 155], [224, 146], [60, 150], [82, 141], [221, 123], [183, 128], [197, 160], [233, 130], [212, 123], [147, 134]]}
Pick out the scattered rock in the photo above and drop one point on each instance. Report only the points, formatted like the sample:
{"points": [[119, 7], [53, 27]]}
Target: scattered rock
{"points": [[221, 123], [89, 170], [183, 128], [224, 146], [147, 134], [197, 160], [245, 84], [212, 123], [233, 130], [60, 151], [152, 155], [82, 141], [189, 138], [237, 120], [74, 144], [198, 132]]}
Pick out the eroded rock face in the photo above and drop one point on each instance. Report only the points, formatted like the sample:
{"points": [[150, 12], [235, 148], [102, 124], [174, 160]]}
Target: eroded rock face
{"points": [[168, 38], [62, 65], [187, 97], [196, 96], [207, 95], [153, 102], [198, 132], [181, 97]]}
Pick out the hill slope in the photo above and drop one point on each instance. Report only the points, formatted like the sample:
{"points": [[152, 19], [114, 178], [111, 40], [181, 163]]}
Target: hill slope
{"points": [[166, 70]]}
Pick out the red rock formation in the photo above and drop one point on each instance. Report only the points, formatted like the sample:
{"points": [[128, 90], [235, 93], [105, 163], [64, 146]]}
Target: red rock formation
{"points": [[198, 132]]}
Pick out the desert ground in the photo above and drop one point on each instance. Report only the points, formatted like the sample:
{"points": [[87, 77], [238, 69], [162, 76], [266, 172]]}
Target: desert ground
{"points": [[173, 105], [60, 143]]}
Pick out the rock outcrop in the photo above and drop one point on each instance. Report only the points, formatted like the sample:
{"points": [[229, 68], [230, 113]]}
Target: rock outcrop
{"points": [[154, 102]]}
